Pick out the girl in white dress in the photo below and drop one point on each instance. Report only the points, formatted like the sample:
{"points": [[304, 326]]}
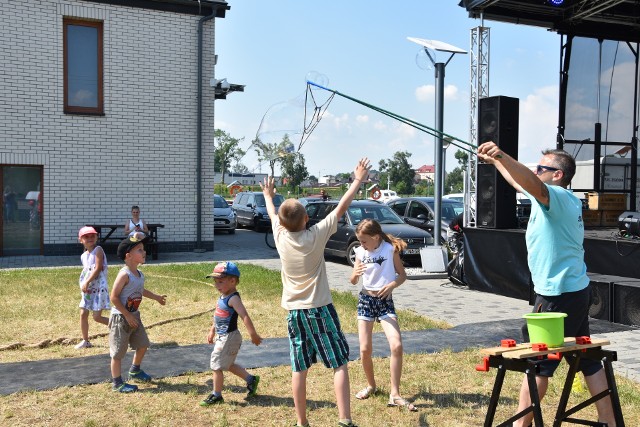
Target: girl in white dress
{"points": [[94, 288]]}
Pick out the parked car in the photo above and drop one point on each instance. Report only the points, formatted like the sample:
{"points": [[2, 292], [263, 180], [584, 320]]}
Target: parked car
{"points": [[251, 209], [344, 242], [224, 218], [309, 199], [458, 197], [420, 212]]}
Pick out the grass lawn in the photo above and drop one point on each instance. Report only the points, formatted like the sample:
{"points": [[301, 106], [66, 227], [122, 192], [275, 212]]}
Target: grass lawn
{"points": [[40, 318]]}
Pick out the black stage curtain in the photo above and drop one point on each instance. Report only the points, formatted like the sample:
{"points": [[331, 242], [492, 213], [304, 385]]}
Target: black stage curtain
{"points": [[496, 260]]}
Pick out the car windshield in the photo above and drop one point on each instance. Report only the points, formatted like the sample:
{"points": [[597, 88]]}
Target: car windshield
{"points": [[277, 200], [219, 202], [450, 209], [381, 213]]}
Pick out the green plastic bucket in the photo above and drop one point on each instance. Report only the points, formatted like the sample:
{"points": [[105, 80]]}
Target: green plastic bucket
{"points": [[546, 328]]}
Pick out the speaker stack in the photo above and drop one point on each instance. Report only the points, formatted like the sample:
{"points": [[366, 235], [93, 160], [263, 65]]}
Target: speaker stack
{"points": [[615, 299], [626, 301], [495, 198], [601, 297]]}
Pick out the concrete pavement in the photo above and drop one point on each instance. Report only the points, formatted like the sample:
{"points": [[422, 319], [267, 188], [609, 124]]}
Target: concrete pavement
{"points": [[479, 319]]}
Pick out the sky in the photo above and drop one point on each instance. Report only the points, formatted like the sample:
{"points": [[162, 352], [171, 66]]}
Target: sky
{"points": [[360, 48]]}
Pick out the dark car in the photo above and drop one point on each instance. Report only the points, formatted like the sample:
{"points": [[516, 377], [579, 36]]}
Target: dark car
{"points": [[344, 242], [420, 212], [251, 209], [224, 218]]}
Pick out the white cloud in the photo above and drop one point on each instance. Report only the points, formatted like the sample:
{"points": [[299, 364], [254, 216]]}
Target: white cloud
{"points": [[426, 93], [538, 123], [362, 118]]}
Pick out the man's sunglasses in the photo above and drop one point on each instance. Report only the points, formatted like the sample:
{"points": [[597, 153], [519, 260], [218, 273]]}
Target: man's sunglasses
{"points": [[540, 169]]}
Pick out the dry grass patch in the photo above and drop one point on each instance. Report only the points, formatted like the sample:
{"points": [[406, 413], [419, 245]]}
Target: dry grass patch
{"points": [[444, 386]]}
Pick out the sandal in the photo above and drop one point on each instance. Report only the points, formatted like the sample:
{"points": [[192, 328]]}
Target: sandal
{"points": [[401, 403], [366, 392]]}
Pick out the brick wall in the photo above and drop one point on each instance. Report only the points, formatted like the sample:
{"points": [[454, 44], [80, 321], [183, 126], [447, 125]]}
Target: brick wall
{"points": [[142, 151]]}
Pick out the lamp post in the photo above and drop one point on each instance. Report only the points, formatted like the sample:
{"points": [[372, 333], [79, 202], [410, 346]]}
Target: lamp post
{"points": [[431, 47]]}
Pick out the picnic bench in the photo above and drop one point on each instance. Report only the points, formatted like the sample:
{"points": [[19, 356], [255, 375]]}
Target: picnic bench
{"points": [[526, 358], [107, 234]]}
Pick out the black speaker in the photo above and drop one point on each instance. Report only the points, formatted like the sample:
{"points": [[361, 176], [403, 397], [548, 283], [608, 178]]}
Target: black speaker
{"points": [[498, 122], [495, 198], [626, 302], [601, 298], [629, 223]]}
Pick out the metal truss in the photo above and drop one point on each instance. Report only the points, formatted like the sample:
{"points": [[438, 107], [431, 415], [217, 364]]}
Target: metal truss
{"points": [[479, 88]]}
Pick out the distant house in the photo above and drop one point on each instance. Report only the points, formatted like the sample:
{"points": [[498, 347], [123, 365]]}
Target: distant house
{"points": [[101, 107], [425, 172]]}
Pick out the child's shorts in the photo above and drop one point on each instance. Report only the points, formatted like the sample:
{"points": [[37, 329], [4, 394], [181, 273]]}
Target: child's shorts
{"points": [[372, 308], [313, 332], [121, 335], [225, 350]]}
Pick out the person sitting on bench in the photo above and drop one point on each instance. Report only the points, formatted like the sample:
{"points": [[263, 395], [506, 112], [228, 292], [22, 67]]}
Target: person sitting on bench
{"points": [[135, 223]]}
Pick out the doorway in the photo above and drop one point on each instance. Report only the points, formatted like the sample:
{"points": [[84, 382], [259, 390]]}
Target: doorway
{"points": [[22, 209]]}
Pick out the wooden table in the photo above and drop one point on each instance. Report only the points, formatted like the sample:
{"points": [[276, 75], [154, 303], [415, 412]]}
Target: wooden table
{"points": [[106, 235], [524, 358]]}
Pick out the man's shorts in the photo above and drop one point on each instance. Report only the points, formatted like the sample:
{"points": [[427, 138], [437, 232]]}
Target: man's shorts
{"points": [[225, 350], [313, 332], [121, 335], [576, 324], [372, 308]]}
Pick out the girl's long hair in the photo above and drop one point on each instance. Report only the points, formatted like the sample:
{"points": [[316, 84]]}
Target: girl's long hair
{"points": [[371, 227]]}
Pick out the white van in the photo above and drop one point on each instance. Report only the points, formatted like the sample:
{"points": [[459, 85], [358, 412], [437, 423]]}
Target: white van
{"points": [[386, 195]]}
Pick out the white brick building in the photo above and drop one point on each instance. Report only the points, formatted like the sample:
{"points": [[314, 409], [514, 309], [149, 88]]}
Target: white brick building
{"points": [[140, 149]]}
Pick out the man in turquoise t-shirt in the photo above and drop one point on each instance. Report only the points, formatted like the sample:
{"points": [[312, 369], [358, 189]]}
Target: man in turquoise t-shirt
{"points": [[556, 259]]}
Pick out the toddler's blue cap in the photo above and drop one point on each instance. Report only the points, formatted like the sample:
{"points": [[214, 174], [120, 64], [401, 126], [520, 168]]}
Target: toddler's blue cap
{"points": [[224, 269]]}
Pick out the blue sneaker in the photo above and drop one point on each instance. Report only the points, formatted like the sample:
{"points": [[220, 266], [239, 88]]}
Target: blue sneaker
{"points": [[141, 376], [126, 388]]}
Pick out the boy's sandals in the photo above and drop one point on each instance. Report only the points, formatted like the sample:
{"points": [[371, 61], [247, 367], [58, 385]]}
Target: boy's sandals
{"points": [[401, 403], [366, 392]]}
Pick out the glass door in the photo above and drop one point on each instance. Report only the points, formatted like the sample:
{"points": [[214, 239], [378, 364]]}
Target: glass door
{"points": [[21, 210]]}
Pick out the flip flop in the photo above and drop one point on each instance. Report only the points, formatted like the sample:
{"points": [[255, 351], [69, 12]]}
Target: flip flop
{"points": [[401, 403], [366, 392]]}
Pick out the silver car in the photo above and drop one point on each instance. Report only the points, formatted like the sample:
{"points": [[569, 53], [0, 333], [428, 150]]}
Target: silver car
{"points": [[224, 218]]}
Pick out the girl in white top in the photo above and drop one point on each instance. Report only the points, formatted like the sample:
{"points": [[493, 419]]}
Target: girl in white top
{"points": [[94, 288], [135, 223], [378, 262]]}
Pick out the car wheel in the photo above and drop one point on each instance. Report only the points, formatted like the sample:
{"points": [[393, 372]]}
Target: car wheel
{"points": [[351, 252]]}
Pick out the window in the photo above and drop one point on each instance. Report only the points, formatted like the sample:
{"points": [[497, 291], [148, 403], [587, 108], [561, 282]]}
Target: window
{"points": [[83, 84]]}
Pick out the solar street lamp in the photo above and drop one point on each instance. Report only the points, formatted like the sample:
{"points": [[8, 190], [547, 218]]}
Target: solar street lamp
{"points": [[431, 47]]}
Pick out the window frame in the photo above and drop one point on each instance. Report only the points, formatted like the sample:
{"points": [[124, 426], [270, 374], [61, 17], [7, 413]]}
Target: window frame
{"points": [[99, 26]]}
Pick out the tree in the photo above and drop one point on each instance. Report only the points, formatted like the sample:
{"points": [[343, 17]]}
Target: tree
{"points": [[240, 168], [294, 169], [454, 181], [462, 157], [400, 171], [227, 149], [273, 153]]}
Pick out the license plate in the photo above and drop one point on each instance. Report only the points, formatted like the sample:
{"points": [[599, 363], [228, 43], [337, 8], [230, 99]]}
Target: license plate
{"points": [[412, 251], [218, 223]]}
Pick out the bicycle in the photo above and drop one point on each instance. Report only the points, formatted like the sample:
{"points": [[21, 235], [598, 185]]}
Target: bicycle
{"points": [[268, 238]]}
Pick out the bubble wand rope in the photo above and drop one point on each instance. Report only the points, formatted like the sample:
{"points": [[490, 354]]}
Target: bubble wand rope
{"points": [[417, 125]]}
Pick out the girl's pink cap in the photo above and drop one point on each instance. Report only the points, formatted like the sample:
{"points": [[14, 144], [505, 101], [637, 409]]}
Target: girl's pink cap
{"points": [[86, 230]]}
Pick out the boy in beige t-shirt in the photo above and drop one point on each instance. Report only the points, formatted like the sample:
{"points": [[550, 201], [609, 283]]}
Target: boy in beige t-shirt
{"points": [[314, 327]]}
